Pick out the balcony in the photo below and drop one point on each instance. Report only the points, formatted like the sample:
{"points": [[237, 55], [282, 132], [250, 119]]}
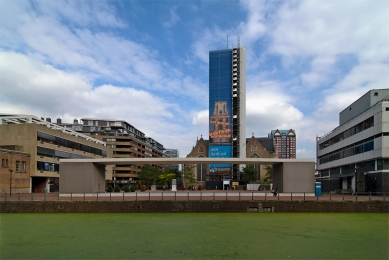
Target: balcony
{"points": [[126, 175]]}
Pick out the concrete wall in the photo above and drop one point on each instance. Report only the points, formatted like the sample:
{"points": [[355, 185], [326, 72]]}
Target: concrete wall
{"points": [[294, 177], [193, 206], [299, 177], [278, 177], [363, 103], [82, 177]]}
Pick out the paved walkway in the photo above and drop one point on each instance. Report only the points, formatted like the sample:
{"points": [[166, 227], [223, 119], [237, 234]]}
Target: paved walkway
{"points": [[205, 195]]}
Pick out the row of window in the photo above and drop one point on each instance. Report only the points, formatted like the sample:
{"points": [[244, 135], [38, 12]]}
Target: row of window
{"points": [[20, 166], [47, 152], [349, 132], [46, 166], [44, 137], [360, 147], [382, 164]]}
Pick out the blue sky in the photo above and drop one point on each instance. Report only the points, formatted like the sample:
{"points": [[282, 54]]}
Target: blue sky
{"points": [[146, 62]]}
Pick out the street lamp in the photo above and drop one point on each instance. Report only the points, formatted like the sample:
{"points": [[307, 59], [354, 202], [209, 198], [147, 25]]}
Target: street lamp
{"points": [[355, 178], [10, 182]]}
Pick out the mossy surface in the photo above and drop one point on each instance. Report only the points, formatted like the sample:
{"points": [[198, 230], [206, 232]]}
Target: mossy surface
{"points": [[194, 235]]}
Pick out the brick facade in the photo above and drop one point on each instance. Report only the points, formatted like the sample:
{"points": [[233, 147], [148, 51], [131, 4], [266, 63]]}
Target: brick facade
{"points": [[19, 163]]}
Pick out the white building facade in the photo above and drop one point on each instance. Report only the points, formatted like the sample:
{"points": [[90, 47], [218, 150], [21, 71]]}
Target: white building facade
{"points": [[354, 157]]}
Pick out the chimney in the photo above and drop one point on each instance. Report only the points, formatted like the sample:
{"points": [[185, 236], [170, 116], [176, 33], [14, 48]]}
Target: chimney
{"points": [[75, 121], [59, 121], [48, 119]]}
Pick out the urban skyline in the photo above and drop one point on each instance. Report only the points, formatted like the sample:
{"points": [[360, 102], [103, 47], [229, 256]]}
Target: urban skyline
{"points": [[146, 62]]}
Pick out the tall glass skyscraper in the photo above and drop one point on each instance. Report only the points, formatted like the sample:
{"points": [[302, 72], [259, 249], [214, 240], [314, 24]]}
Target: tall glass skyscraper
{"points": [[227, 110]]}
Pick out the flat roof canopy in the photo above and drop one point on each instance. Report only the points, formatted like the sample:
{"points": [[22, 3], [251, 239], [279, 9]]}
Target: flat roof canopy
{"points": [[122, 161]]}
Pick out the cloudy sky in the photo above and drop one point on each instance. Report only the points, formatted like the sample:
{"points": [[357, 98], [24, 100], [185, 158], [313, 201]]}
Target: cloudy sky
{"points": [[146, 62]]}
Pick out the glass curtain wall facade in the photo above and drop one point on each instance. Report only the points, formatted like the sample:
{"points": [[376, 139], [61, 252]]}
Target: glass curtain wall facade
{"points": [[227, 110], [220, 111]]}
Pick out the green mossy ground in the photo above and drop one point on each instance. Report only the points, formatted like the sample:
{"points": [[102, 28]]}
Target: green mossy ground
{"points": [[194, 236]]}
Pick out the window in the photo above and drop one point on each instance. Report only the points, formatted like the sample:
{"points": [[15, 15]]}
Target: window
{"points": [[23, 166], [17, 166], [2, 162], [375, 94], [201, 149], [387, 108], [254, 148]]}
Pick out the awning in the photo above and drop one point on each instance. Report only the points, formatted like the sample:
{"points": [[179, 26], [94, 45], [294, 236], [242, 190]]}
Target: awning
{"points": [[342, 175]]}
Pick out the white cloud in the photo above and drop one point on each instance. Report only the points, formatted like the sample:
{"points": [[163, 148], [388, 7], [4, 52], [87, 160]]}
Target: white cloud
{"points": [[28, 86], [267, 108], [174, 18], [26, 81], [201, 118]]}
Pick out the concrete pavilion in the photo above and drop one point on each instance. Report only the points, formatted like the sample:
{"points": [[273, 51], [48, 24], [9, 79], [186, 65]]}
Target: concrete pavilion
{"points": [[88, 175]]}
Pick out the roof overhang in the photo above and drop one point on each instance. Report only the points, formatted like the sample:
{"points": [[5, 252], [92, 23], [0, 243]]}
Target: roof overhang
{"points": [[121, 161]]}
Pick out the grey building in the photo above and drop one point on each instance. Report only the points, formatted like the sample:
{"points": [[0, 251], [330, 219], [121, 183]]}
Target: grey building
{"points": [[354, 157]]}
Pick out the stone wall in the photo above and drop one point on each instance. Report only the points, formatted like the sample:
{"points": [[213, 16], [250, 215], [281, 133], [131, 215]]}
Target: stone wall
{"points": [[193, 206]]}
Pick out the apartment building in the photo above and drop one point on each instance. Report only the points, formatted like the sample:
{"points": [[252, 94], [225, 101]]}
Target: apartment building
{"points": [[284, 143], [125, 141]]}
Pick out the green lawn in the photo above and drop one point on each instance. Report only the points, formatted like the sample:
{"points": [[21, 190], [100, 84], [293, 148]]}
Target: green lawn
{"points": [[194, 236]]}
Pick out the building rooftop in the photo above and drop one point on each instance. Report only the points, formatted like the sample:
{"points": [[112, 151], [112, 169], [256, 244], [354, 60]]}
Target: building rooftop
{"points": [[30, 119]]}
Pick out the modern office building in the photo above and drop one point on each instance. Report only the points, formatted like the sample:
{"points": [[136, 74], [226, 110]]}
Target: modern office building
{"points": [[125, 140], [284, 142], [227, 110], [31, 148], [354, 157]]}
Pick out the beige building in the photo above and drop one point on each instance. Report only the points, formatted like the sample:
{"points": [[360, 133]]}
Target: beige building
{"points": [[43, 144]]}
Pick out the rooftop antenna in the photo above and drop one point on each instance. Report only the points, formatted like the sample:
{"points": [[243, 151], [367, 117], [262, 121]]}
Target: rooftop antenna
{"points": [[238, 41]]}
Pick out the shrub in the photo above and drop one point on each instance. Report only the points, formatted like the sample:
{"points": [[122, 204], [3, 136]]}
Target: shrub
{"points": [[189, 187], [132, 188], [137, 187], [142, 187], [126, 188], [200, 187], [245, 187], [109, 188], [117, 188]]}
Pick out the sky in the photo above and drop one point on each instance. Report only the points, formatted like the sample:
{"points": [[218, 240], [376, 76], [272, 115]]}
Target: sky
{"points": [[146, 62]]}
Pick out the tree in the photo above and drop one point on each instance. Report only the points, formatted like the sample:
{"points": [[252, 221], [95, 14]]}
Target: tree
{"points": [[149, 174], [188, 174], [250, 174], [110, 188], [166, 178], [269, 173]]}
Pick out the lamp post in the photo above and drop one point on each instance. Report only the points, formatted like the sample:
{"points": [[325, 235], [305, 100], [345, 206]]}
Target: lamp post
{"points": [[355, 178], [10, 182]]}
